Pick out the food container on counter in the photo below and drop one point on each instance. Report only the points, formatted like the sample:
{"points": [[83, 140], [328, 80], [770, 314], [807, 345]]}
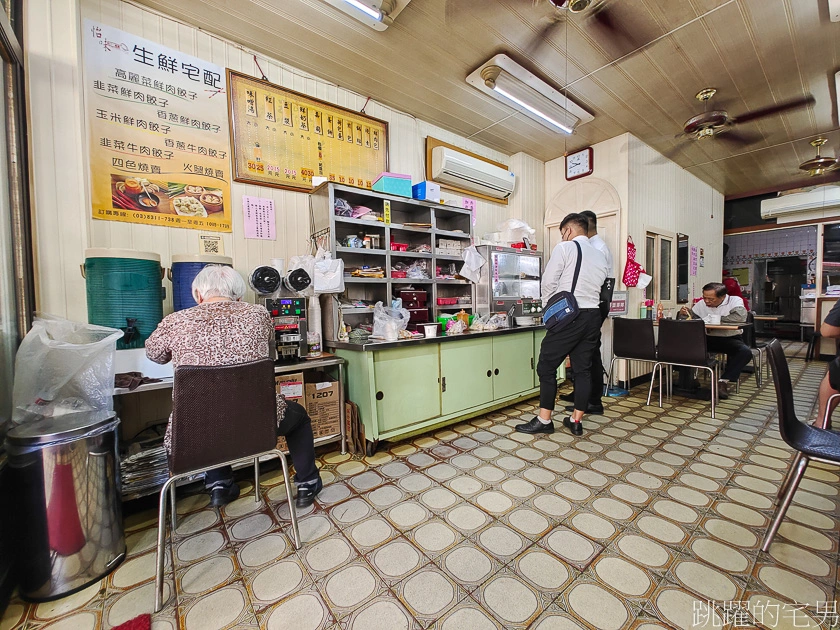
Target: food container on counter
{"points": [[430, 329]]}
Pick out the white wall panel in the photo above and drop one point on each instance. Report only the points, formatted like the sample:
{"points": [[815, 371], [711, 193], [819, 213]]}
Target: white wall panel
{"points": [[527, 202], [60, 186]]}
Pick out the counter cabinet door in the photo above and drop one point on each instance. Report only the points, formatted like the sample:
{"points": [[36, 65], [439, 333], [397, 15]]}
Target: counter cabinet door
{"points": [[407, 385], [513, 370], [467, 366]]}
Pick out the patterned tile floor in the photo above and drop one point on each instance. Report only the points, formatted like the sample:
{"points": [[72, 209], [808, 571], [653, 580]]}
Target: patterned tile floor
{"points": [[651, 520]]}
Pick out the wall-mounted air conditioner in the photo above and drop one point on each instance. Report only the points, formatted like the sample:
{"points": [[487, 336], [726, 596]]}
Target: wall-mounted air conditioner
{"points": [[464, 171], [822, 201]]}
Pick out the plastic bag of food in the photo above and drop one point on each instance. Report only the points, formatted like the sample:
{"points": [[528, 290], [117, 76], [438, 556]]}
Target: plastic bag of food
{"points": [[64, 367], [388, 322], [455, 327]]}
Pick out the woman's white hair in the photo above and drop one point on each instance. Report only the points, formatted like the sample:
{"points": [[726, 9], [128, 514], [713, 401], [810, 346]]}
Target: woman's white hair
{"points": [[218, 281]]}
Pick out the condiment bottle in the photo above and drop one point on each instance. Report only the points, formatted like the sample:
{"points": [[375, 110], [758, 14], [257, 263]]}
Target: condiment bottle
{"points": [[643, 310], [659, 312]]}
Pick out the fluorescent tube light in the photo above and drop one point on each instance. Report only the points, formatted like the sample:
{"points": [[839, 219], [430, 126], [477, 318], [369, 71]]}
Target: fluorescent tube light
{"points": [[541, 108], [533, 110], [376, 15]]}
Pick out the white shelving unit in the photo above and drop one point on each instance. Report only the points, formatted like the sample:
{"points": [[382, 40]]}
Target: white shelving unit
{"points": [[447, 222]]}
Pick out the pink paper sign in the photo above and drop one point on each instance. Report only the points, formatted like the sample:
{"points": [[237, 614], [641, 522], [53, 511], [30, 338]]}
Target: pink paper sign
{"points": [[258, 213]]}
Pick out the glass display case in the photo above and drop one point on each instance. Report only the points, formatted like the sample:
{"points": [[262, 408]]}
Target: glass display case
{"points": [[509, 276], [830, 277]]}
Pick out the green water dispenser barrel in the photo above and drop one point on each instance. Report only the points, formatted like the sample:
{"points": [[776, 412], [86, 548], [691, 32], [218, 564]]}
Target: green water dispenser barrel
{"points": [[124, 290]]}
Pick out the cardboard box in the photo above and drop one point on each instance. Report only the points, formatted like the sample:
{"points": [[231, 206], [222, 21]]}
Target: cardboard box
{"points": [[290, 385], [393, 183], [321, 402], [429, 191]]}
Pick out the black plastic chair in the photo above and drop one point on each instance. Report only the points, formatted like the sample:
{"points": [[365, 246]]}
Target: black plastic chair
{"points": [[810, 443], [221, 415], [683, 344], [633, 340], [759, 348]]}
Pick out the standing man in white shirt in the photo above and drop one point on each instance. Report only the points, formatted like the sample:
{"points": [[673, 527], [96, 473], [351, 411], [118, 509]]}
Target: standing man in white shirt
{"points": [[731, 310], [580, 337], [597, 369]]}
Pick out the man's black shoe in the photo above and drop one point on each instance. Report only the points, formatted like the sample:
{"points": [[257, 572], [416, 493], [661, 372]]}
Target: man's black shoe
{"points": [[723, 389], [306, 494], [223, 493], [596, 409], [575, 427], [535, 426], [568, 397]]}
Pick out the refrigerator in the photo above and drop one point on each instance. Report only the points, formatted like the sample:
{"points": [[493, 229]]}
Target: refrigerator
{"points": [[509, 281]]}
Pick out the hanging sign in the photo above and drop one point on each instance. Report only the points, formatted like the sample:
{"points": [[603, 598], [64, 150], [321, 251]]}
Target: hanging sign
{"points": [[159, 144], [692, 261], [281, 138]]}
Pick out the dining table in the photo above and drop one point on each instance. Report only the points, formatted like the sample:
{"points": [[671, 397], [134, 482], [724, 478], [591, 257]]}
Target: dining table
{"points": [[685, 385]]}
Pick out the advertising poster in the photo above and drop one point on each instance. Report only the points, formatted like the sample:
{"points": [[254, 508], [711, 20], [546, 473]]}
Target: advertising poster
{"points": [[159, 143], [281, 138]]}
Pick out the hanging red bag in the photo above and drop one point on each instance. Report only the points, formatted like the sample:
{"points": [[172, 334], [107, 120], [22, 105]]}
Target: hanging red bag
{"points": [[632, 269]]}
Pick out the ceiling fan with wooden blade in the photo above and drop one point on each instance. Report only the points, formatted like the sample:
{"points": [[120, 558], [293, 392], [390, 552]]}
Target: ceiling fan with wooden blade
{"points": [[716, 122]]}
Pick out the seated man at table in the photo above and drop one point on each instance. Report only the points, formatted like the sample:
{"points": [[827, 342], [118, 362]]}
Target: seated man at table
{"points": [[730, 342], [222, 330]]}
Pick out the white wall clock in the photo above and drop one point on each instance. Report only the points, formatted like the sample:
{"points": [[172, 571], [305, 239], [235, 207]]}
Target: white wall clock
{"points": [[579, 164]]}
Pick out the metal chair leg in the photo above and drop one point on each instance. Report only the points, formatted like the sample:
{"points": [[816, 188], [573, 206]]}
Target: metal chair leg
{"points": [[609, 377], [714, 386], [292, 511], [785, 504], [661, 377], [652, 376], [788, 476], [161, 537], [173, 509], [826, 421], [257, 479]]}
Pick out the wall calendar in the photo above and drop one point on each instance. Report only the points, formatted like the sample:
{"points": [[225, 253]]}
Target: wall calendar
{"points": [[283, 139]]}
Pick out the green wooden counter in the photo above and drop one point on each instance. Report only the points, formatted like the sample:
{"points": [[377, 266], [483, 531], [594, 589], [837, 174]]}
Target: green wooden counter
{"points": [[407, 387]]}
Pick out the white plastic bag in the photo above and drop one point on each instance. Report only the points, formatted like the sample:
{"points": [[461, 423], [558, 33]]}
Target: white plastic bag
{"points": [[644, 280], [388, 322], [64, 367], [514, 230], [329, 273]]}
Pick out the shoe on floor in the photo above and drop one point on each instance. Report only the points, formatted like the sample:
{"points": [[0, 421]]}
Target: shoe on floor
{"points": [[535, 425], [575, 427], [595, 409], [306, 493], [723, 390], [568, 397], [223, 493]]}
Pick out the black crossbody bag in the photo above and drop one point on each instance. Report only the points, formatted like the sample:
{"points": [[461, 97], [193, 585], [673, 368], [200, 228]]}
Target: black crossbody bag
{"points": [[562, 308]]}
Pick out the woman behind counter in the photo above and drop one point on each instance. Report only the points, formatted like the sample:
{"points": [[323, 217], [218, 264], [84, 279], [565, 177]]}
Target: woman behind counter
{"points": [[222, 330]]}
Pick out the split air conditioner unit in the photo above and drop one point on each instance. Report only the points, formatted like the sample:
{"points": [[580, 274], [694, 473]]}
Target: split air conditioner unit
{"points": [[464, 171], [820, 202]]}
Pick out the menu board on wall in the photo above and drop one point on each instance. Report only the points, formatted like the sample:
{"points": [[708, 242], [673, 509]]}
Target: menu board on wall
{"points": [[159, 144], [281, 138]]}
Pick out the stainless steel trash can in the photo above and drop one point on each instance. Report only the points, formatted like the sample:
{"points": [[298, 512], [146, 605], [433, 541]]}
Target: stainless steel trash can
{"points": [[65, 481]]}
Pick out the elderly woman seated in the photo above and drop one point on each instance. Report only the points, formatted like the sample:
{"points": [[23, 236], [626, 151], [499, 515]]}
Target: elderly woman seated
{"points": [[223, 330]]}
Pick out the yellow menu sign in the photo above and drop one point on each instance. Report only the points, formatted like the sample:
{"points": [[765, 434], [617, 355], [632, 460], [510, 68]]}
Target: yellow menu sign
{"points": [[159, 148], [281, 138]]}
